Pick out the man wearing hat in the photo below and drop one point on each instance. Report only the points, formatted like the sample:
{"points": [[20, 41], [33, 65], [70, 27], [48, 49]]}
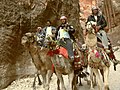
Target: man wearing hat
{"points": [[64, 35], [100, 25]]}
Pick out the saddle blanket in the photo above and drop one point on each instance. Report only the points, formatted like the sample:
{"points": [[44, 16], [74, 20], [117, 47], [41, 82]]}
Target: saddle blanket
{"points": [[61, 51]]}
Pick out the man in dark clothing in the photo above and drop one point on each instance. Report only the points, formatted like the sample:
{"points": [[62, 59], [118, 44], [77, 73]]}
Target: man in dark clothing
{"points": [[99, 28], [64, 35]]}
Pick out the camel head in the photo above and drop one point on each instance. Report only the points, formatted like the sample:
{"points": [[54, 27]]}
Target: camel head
{"points": [[91, 38], [90, 26], [28, 39]]}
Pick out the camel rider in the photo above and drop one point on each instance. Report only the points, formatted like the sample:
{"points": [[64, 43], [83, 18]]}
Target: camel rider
{"points": [[101, 24], [64, 35], [39, 36], [49, 30]]}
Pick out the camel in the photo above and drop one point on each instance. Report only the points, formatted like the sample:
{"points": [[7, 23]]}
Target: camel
{"points": [[62, 65], [65, 68], [40, 59], [97, 59]]}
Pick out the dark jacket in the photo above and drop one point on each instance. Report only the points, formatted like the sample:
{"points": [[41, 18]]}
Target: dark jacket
{"points": [[70, 29], [100, 21]]}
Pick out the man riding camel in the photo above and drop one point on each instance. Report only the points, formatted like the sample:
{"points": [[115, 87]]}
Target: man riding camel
{"points": [[101, 23], [99, 27], [49, 30], [64, 35], [39, 36]]}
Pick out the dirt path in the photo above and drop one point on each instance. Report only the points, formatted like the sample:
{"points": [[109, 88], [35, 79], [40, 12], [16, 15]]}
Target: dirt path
{"points": [[26, 83]]}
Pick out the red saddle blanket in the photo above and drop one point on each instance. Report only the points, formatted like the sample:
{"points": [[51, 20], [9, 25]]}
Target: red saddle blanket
{"points": [[61, 51]]}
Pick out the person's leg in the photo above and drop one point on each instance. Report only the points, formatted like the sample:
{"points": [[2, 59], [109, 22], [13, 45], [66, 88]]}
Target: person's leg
{"points": [[69, 47], [103, 37]]}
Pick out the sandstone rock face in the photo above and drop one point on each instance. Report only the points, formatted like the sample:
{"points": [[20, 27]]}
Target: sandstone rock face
{"points": [[116, 6], [15, 20], [20, 16], [114, 36]]}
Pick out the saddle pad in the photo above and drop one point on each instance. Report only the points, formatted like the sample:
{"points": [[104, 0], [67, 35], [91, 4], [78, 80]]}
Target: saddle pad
{"points": [[61, 51]]}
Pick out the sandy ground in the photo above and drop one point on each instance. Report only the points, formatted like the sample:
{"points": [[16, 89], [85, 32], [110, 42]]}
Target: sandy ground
{"points": [[26, 83]]}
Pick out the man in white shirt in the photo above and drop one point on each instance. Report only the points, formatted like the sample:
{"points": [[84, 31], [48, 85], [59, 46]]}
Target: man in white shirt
{"points": [[49, 30], [39, 36]]}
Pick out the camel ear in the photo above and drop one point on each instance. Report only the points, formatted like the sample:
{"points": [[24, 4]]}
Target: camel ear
{"points": [[28, 34]]}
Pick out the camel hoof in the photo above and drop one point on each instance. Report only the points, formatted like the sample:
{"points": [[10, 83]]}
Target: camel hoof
{"points": [[88, 82], [40, 83], [80, 84], [107, 88], [46, 87], [64, 89], [92, 89], [34, 88], [58, 88], [43, 86], [94, 84], [75, 88]]}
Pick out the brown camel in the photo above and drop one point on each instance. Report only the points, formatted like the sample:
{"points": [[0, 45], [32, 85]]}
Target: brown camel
{"points": [[62, 65], [40, 59]]}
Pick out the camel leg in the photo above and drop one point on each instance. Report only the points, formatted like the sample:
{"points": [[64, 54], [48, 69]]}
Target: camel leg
{"points": [[34, 88], [58, 84], [44, 78], [74, 82], [91, 78], [48, 77], [61, 81], [94, 80], [106, 76], [71, 76], [97, 73], [102, 73], [40, 83]]}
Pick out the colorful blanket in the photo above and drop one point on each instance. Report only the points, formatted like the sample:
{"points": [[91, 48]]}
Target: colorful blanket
{"points": [[61, 51]]}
